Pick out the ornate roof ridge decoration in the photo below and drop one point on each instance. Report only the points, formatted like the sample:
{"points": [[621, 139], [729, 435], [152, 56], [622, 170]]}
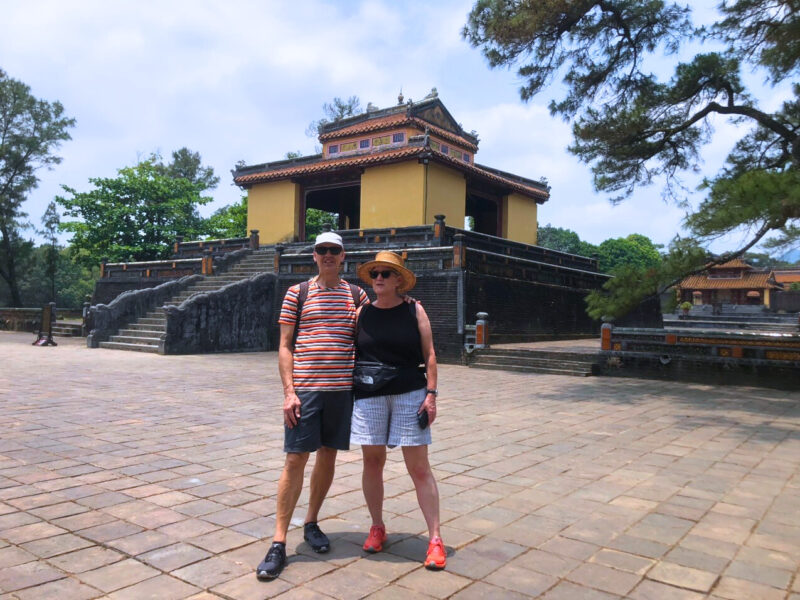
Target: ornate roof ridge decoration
{"points": [[430, 112], [288, 169]]}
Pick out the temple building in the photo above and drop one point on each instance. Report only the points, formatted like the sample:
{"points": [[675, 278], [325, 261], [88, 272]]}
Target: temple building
{"points": [[733, 282], [393, 167]]}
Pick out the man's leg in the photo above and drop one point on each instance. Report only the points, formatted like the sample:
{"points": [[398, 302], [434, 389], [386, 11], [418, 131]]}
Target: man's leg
{"points": [[289, 487], [321, 480]]}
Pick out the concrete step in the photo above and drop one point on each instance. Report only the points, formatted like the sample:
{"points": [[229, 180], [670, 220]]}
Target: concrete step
{"points": [[541, 370], [152, 320], [137, 326], [135, 347], [532, 362], [141, 333], [135, 339]]}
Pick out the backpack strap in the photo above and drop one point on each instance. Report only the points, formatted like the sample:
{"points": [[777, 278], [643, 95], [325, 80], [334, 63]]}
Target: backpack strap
{"points": [[355, 294], [301, 299]]}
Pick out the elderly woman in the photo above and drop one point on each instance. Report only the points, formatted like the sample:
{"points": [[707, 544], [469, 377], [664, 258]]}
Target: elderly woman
{"points": [[392, 332]]}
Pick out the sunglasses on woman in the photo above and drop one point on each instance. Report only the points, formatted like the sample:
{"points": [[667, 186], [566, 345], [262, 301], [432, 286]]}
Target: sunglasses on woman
{"points": [[323, 250], [384, 274]]}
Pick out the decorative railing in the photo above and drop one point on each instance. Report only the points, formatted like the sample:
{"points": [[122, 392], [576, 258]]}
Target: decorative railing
{"points": [[198, 248], [705, 344]]}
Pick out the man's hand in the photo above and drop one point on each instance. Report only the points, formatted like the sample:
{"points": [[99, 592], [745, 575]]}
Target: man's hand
{"points": [[291, 410]]}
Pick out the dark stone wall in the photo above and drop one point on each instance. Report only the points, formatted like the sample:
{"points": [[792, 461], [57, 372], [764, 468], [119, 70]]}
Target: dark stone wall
{"points": [[105, 320], [523, 311], [788, 301], [234, 318]]}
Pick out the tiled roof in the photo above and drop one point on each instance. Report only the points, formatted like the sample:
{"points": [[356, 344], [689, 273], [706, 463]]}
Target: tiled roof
{"points": [[388, 156], [786, 276], [736, 263], [752, 280], [398, 120]]}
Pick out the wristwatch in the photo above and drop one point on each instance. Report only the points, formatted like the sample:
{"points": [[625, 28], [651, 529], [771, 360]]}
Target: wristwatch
{"points": [[434, 392]]}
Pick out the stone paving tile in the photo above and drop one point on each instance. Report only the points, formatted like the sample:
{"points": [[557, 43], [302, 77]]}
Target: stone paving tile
{"points": [[596, 484], [63, 589], [162, 587], [118, 575]]}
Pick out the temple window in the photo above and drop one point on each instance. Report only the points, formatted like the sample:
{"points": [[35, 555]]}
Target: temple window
{"points": [[363, 144], [398, 137], [466, 157], [445, 149], [333, 149]]}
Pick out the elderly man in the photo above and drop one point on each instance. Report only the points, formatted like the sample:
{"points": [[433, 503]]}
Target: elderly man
{"points": [[315, 359]]}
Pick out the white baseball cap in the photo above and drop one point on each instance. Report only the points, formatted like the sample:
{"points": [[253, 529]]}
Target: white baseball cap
{"points": [[329, 237]]}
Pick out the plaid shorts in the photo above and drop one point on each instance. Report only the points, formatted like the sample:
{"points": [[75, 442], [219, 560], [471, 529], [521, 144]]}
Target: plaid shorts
{"points": [[389, 421]]}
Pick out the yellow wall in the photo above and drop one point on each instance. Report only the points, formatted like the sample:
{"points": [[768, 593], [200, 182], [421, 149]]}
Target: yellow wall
{"points": [[446, 195], [519, 219], [273, 209], [392, 195]]}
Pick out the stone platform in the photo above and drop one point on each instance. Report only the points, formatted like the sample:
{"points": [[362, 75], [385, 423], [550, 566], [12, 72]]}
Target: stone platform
{"points": [[134, 476]]}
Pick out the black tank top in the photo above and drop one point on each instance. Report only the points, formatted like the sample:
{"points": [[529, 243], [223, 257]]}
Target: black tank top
{"points": [[391, 336]]}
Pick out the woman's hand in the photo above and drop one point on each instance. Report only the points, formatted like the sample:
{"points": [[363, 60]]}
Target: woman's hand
{"points": [[429, 405]]}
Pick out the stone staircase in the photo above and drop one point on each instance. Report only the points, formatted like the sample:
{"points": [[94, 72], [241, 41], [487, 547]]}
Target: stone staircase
{"points": [[551, 362], [144, 334], [67, 329]]}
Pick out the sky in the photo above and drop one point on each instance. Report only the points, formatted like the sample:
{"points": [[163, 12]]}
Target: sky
{"points": [[241, 80]]}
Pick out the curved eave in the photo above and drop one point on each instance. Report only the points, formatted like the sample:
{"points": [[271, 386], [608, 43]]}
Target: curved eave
{"points": [[422, 153]]}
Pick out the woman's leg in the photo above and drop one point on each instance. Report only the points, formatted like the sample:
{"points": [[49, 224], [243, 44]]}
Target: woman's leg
{"points": [[416, 458], [372, 480]]}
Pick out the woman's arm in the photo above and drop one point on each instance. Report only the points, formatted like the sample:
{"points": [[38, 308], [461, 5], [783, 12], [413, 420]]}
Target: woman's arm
{"points": [[429, 354]]}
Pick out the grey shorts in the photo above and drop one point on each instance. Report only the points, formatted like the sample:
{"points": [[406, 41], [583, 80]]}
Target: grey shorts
{"points": [[389, 421], [324, 421]]}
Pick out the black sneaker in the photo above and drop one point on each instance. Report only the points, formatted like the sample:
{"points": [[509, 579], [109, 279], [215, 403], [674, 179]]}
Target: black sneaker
{"points": [[318, 541], [273, 562]]}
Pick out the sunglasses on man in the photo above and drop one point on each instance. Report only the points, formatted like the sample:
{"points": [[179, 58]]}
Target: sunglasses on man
{"points": [[323, 250], [384, 274]]}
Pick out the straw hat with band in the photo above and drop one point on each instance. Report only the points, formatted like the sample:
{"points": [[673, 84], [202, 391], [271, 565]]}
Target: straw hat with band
{"points": [[394, 261]]}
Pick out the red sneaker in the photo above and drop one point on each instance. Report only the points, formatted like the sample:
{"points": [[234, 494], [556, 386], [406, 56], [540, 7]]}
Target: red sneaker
{"points": [[437, 557], [375, 539]]}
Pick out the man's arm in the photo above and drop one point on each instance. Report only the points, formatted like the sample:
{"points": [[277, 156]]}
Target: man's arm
{"points": [[291, 403]]}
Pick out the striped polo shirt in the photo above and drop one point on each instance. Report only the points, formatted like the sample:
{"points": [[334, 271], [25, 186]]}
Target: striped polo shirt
{"points": [[324, 353]]}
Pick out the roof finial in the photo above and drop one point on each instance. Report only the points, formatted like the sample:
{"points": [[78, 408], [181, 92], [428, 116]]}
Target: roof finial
{"points": [[400, 97]]}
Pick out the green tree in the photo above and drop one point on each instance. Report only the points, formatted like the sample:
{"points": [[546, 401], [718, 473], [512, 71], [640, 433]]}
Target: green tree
{"points": [[229, 221], [334, 111], [635, 251], [134, 216], [315, 219], [564, 240], [31, 130], [634, 127], [189, 165]]}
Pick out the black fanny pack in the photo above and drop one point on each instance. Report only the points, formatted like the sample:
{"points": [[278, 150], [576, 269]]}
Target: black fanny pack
{"points": [[370, 376]]}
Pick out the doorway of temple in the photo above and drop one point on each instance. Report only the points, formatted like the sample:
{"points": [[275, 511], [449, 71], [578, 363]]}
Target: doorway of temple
{"points": [[341, 203]]}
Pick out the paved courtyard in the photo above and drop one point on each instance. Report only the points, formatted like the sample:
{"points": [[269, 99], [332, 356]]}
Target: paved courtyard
{"points": [[135, 476]]}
